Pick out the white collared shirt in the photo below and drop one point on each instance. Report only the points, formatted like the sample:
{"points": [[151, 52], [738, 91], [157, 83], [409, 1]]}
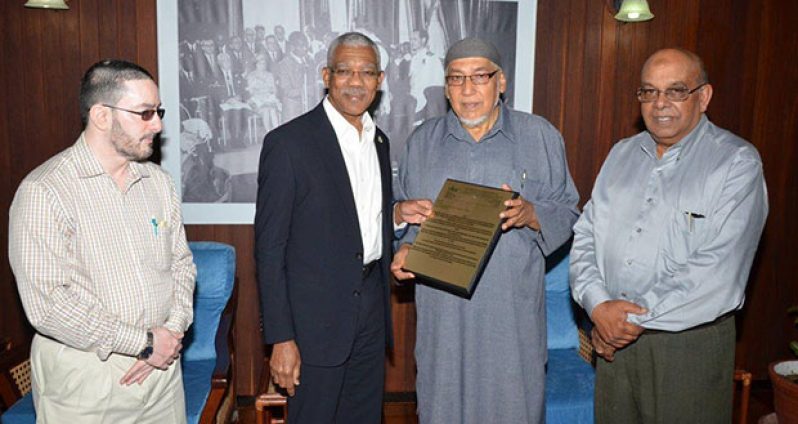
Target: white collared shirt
{"points": [[363, 167]]}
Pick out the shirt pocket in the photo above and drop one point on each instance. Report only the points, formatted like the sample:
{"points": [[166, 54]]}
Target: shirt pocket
{"points": [[687, 228], [161, 259]]}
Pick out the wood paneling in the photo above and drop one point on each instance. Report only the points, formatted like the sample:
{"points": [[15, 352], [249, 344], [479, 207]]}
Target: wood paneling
{"points": [[585, 77], [44, 54], [586, 72]]}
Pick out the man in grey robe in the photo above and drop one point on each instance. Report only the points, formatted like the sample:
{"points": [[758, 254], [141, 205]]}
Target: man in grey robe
{"points": [[483, 359]]}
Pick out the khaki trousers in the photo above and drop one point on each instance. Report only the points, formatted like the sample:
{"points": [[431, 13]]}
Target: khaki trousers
{"points": [[73, 386]]}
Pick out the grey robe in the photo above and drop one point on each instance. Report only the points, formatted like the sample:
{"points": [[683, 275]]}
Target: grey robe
{"points": [[483, 360]]}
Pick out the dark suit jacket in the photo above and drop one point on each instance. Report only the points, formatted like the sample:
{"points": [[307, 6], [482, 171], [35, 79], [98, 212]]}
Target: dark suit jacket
{"points": [[308, 247]]}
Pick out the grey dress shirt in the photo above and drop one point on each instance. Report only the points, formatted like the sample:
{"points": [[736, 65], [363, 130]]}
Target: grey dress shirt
{"points": [[675, 235]]}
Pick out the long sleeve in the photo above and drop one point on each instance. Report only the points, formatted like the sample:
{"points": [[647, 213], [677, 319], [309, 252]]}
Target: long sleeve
{"points": [[587, 281], [675, 234], [41, 252], [273, 213], [713, 280], [184, 272], [555, 204]]}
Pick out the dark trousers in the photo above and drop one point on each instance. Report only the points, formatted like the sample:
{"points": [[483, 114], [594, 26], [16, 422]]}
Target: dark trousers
{"points": [[670, 378], [351, 392]]}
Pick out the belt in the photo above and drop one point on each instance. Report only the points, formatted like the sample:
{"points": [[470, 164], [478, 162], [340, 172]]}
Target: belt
{"points": [[367, 268]]}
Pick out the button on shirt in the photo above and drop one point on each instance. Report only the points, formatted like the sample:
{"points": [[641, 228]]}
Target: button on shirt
{"points": [[97, 266], [363, 167], [676, 234]]}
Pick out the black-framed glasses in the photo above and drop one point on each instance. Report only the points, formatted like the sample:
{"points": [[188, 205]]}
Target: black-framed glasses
{"points": [[344, 73], [674, 94], [145, 115], [481, 78]]}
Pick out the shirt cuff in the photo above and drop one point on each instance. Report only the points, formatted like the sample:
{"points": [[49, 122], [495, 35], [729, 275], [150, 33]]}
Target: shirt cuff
{"points": [[401, 226], [130, 340], [593, 297]]}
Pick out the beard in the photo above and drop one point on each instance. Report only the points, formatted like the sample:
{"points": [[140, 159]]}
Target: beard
{"points": [[473, 123], [127, 146]]}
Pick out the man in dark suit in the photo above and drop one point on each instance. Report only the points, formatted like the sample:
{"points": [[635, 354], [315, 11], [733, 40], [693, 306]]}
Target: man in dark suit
{"points": [[323, 225]]}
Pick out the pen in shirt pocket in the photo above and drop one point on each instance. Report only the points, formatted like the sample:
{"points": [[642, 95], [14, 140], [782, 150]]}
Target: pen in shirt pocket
{"points": [[691, 217], [523, 178]]}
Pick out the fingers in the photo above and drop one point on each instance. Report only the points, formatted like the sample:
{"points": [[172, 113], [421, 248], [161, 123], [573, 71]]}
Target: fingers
{"points": [[413, 211], [632, 308], [610, 319], [399, 262], [284, 365], [137, 373], [601, 347], [519, 213]]}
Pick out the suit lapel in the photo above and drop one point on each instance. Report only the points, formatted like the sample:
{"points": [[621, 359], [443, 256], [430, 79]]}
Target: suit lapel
{"points": [[383, 154], [333, 160]]}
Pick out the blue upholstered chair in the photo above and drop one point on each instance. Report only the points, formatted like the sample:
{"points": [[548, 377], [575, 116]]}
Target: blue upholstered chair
{"points": [[206, 356], [569, 378]]}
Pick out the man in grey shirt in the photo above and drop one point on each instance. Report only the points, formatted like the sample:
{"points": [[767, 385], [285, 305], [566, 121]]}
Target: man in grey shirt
{"points": [[662, 252], [482, 360]]}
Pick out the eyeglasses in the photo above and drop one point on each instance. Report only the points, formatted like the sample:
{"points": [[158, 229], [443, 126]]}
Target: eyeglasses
{"points": [[674, 94], [368, 74], [477, 79], [145, 115]]}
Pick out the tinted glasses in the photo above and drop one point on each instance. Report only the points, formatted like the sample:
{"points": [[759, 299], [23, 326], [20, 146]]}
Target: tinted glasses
{"points": [[145, 115]]}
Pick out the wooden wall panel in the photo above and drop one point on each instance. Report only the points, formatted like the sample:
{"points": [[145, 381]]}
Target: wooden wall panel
{"points": [[586, 71], [585, 77], [44, 54]]}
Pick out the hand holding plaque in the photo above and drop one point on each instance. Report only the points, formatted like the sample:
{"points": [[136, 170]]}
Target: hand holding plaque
{"points": [[452, 248]]}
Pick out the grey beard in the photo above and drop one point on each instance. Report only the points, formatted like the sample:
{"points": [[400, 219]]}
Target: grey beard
{"points": [[473, 123]]}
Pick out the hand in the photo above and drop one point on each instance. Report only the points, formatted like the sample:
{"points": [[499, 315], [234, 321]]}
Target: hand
{"points": [[601, 347], [166, 347], [399, 262], [413, 211], [519, 213], [610, 319], [284, 365], [137, 373]]}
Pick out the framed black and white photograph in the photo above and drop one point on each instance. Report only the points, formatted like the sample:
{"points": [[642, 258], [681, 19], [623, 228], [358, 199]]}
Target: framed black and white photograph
{"points": [[232, 70]]}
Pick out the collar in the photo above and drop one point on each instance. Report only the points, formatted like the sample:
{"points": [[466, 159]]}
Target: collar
{"points": [[341, 126], [683, 147], [502, 125], [88, 166]]}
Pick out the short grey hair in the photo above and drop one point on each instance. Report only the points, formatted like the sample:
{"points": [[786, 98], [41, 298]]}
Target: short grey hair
{"points": [[352, 39]]}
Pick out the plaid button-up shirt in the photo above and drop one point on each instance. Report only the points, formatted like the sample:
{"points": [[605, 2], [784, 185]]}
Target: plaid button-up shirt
{"points": [[97, 266]]}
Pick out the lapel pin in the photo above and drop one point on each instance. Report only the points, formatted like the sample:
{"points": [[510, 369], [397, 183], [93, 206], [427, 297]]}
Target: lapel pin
{"points": [[379, 139]]}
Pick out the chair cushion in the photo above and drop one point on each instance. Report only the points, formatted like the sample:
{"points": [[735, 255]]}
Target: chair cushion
{"points": [[197, 386], [569, 388], [560, 323], [21, 412], [215, 277]]}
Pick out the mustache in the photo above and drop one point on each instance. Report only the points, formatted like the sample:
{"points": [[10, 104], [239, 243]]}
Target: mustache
{"points": [[354, 91]]}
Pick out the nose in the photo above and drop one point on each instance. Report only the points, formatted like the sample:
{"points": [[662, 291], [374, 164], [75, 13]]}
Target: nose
{"points": [[357, 78], [661, 101], [468, 86], [156, 124]]}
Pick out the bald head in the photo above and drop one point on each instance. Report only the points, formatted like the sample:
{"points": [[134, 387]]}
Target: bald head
{"points": [[681, 93], [678, 55]]}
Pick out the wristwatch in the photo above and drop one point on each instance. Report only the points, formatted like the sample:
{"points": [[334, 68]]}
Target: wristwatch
{"points": [[147, 351]]}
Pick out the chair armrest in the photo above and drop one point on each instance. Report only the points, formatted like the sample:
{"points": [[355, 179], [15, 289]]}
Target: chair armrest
{"points": [[224, 343]]}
